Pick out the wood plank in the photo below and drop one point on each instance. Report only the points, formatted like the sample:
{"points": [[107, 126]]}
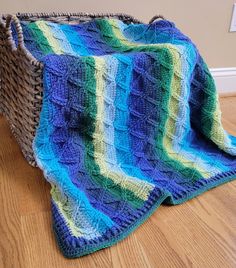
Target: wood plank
{"points": [[228, 107]]}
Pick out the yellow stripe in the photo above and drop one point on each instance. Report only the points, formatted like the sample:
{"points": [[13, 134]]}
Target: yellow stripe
{"points": [[54, 44], [67, 212], [139, 187]]}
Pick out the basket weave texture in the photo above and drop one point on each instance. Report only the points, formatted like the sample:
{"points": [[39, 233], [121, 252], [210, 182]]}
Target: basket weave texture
{"points": [[21, 86]]}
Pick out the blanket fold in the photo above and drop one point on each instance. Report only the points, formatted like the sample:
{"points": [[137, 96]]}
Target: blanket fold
{"points": [[130, 120]]}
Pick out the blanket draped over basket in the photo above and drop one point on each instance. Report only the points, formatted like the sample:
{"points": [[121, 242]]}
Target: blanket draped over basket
{"points": [[130, 120]]}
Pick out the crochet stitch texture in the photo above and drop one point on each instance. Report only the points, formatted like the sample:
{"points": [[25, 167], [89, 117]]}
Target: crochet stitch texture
{"points": [[130, 120]]}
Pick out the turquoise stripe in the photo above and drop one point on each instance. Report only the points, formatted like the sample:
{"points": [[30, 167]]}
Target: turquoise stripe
{"points": [[81, 205], [75, 40], [109, 113]]}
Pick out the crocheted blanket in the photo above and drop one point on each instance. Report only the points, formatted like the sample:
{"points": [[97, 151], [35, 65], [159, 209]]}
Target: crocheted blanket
{"points": [[130, 120]]}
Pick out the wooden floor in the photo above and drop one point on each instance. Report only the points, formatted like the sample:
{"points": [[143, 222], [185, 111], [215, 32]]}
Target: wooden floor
{"points": [[198, 233]]}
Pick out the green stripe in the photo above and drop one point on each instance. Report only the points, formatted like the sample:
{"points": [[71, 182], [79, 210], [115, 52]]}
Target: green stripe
{"points": [[90, 113], [40, 39], [166, 78]]}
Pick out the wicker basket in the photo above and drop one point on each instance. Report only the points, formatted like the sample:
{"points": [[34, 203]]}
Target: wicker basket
{"points": [[21, 75]]}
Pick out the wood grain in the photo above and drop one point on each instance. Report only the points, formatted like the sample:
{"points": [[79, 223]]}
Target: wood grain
{"points": [[198, 233]]}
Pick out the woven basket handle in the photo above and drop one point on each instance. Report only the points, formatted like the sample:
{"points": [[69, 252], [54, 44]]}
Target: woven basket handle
{"points": [[13, 19], [156, 17]]}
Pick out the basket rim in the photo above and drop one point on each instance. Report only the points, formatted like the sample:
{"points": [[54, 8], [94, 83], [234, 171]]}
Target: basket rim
{"points": [[29, 15]]}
